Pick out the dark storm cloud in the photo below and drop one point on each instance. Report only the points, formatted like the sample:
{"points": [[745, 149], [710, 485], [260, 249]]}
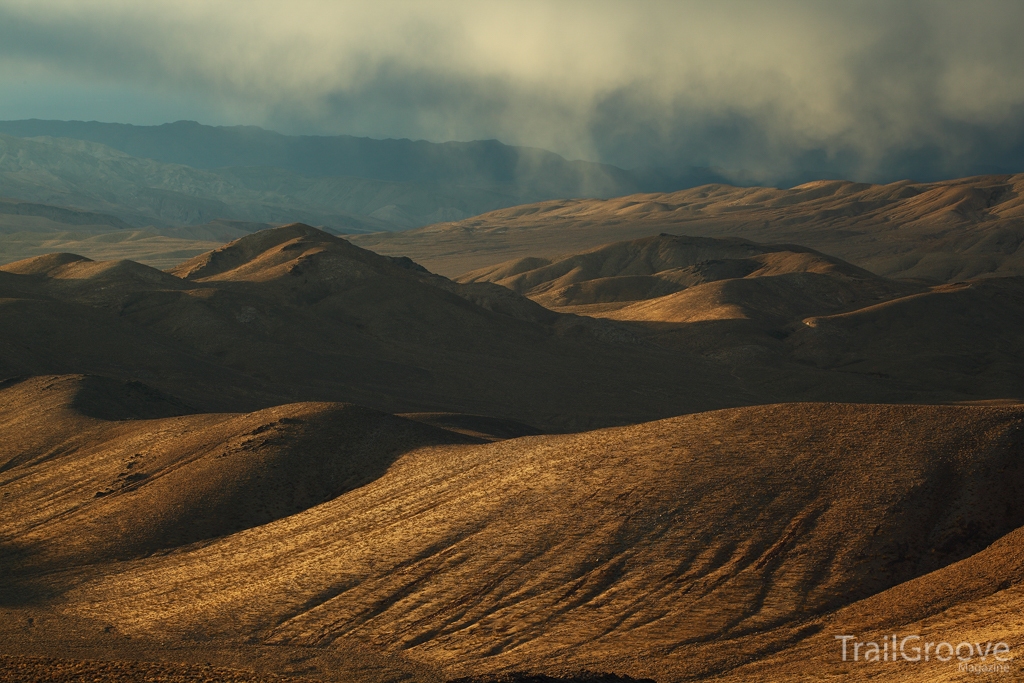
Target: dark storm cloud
{"points": [[761, 93]]}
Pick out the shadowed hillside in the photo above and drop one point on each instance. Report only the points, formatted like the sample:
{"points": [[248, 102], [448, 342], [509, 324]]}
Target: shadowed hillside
{"points": [[969, 330], [294, 314], [190, 480], [763, 308], [162, 482]]}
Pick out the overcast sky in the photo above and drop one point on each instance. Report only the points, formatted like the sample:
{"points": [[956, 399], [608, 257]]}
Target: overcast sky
{"points": [[765, 91]]}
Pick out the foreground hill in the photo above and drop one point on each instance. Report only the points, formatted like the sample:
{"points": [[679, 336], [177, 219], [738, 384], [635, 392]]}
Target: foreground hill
{"points": [[735, 542], [205, 476], [944, 231]]}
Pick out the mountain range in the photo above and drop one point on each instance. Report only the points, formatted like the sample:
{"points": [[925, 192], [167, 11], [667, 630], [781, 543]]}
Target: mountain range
{"points": [[186, 173]]}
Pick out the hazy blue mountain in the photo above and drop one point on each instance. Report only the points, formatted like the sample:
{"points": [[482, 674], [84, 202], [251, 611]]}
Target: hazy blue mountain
{"points": [[185, 173], [90, 177], [521, 172], [87, 176], [17, 215]]}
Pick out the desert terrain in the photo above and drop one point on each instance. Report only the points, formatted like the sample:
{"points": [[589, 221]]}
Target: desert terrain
{"points": [[332, 541], [670, 456], [941, 231], [511, 342]]}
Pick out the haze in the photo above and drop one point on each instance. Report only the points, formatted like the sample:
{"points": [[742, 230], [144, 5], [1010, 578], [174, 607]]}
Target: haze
{"points": [[772, 95]]}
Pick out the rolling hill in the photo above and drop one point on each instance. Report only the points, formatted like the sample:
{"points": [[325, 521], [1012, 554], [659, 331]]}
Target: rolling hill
{"points": [[615, 276], [939, 232], [215, 474], [761, 308], [292, 456], [950, 330], [295, 314], [726, 544]]}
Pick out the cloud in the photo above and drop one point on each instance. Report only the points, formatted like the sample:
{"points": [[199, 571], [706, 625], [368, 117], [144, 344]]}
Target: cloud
{"points": [[766, 93]]}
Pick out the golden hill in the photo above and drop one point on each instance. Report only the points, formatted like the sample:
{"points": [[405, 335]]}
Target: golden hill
{"points": [[770, 280], [963, 336], [945, 231], [731, 543], [147, 485], [773, 312]]}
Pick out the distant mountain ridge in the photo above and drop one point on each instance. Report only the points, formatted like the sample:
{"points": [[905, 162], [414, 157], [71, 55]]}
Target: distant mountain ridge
{"points": [[94, 178], [479, 163], [78, 175], [186, 173], [59, 215]]}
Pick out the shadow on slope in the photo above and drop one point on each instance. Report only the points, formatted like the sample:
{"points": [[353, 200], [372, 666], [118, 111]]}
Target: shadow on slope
{"points": [[776, 314], [966, 335], [121, 486], [677, 548], [477, 426]]}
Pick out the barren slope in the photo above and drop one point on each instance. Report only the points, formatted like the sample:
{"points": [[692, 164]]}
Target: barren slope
{"points": [[943, 231], [679, 548], [772, 313], [101, 490]]}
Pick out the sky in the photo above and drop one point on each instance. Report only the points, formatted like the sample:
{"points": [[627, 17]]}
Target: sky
{"points": [[763, 92]]}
